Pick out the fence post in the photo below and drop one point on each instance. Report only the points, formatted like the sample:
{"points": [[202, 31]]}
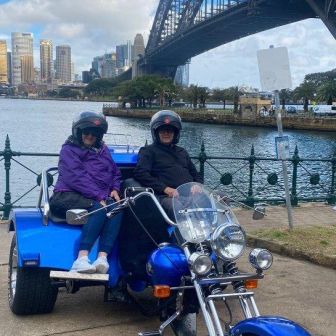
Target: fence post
{"points": [[331, 198], [296, 160], [202, 158], [250, 200], [7, 156]]}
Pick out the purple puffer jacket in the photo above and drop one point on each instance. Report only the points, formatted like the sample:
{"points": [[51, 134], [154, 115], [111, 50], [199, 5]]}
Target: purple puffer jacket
{"points": [[92, 173]]}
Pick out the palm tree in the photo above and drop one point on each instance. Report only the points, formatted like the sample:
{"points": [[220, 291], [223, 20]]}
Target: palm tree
{"points": [[234, 94], [220, 95], [327, 92], [285, 95], [305, 92]]}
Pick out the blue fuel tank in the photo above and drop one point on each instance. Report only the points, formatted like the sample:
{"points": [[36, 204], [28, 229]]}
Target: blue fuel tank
{"points": [[167, 265]]}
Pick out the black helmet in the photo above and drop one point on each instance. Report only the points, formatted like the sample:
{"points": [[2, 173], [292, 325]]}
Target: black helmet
{"points": [[165, 118], [89, 120]]}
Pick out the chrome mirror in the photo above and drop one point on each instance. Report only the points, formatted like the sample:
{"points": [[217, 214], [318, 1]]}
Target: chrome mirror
{"points": [[77, 216], [259, 212]]}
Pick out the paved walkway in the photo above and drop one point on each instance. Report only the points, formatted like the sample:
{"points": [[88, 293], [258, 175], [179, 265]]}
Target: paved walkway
{"points": [[292, 288]]}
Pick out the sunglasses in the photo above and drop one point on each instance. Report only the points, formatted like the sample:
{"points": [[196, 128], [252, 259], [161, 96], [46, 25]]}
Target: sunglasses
{"points": [[166, 130], [91, 131]]}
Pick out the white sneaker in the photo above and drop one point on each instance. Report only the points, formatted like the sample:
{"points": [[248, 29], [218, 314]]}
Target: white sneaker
{"points": [[82, 265], [101, 265]]}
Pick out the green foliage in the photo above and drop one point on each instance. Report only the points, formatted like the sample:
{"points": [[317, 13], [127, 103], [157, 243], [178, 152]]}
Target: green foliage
{"points": [[101, 87], [327, 91], [68, 93], [146, 88], [305, 92]]}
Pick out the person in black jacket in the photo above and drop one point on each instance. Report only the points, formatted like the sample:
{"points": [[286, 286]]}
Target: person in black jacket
{"points": [[164, 166]]}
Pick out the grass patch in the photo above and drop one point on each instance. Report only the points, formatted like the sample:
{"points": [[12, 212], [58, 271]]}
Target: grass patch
{"points": [[308, 239]]}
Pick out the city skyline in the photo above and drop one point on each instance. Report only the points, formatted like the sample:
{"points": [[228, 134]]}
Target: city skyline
{"points": [[96, 30]]}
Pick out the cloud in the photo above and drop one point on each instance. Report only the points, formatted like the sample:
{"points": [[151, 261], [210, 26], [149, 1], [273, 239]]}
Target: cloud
{"points": [[311, 49], [92, 27]]}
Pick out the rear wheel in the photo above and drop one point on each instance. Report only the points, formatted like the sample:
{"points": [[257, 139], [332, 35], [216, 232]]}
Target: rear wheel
{"points": [[29, 289]]}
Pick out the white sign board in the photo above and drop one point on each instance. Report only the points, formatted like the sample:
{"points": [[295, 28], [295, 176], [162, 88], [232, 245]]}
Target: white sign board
{"points": [[274, 69]]}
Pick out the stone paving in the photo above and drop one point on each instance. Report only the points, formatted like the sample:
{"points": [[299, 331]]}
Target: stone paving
{"points": [[292, 288]]}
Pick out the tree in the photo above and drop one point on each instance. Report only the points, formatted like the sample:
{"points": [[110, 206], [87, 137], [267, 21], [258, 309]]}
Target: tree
{"points": [[285, 95], [234, 93], [68, 93], [327, 92], [203, 93], [101, 87], [305, 92], [220, 95]]}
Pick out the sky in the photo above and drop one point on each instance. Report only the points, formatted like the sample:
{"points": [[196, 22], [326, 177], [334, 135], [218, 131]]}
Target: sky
{"points": [[93, 27]]}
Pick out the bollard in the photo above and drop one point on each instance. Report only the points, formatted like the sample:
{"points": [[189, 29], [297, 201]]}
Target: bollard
{"points": [[250, 200], [7, 156], [296, 160], [202, 159]]}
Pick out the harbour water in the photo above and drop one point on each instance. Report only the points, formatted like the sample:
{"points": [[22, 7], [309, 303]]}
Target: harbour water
{"points": [[42, 126]]}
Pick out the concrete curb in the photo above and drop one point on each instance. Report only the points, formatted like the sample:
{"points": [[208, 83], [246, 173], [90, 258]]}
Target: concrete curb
{"points": [[288, 251]]}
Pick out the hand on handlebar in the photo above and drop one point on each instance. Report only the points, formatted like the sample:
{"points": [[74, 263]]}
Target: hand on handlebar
{"points": [[114, 194], [196, 189], [171, 192]]}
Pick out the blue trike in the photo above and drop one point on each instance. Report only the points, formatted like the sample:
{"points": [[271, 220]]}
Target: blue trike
{"points": [[187, 265]]}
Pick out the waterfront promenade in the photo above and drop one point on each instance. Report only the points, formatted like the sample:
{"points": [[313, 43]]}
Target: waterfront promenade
{"points": [[226, 117], [293, 288]]}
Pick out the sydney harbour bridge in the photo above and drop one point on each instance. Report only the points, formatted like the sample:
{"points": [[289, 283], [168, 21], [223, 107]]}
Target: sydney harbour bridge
{"points": [[186, 28]]}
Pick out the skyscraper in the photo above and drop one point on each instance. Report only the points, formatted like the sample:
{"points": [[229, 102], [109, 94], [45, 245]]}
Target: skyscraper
{"points": [[46, 60], [22, 45], [63, 63], [3, 63], [9, 67], [27, 69], [138, 51], [124, 54]]}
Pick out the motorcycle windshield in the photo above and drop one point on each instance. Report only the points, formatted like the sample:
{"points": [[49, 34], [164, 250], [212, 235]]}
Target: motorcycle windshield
{"points": [[198, 212]]}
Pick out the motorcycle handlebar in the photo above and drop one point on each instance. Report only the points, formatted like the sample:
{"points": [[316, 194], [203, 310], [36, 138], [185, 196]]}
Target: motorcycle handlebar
{"points": [[133, 199]]}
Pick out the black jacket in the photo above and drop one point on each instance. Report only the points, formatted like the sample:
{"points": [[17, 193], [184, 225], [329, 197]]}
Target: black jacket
{"points": [[161, 166]]}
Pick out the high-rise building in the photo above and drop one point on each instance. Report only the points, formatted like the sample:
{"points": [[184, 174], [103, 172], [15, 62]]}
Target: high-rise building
{"points": [[3, 62], [46, 60], [182, 75], [63, 63], [27, 69], [109, 67], [9, 67], [22, 46], [72, 72], [138, 52], [124, 54]]}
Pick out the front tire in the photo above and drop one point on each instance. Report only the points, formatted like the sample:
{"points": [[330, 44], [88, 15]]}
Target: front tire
{"points": [[29, 289], [185, 325]]}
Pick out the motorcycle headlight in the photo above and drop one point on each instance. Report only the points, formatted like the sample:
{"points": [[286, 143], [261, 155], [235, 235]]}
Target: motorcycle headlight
{"points": [[261, 259], [200, 263], [228, 241]]}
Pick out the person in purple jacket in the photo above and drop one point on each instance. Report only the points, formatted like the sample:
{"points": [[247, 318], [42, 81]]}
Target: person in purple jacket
{"points": [[88, 178]]}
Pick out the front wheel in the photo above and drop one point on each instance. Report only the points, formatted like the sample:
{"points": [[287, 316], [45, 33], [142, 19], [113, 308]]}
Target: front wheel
{"points": [[29, 289], [185, 325]]}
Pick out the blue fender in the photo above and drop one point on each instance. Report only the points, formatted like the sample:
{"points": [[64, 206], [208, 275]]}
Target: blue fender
{"points": [[53, 246], [268, 326]]}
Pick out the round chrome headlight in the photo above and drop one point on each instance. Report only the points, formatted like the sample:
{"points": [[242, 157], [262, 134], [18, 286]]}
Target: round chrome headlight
{"points": [[261, 259], [200, 263], [228, 241]]}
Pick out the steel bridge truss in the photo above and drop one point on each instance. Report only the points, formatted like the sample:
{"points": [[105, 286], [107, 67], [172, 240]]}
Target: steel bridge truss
{"points": [[173, 17]]}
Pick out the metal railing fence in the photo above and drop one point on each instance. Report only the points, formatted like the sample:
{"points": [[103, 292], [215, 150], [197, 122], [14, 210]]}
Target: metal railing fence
{"points": [[249, 179]]}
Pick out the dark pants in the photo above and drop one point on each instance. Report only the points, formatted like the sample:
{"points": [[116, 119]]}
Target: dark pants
{"points": [[98, 225]]}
